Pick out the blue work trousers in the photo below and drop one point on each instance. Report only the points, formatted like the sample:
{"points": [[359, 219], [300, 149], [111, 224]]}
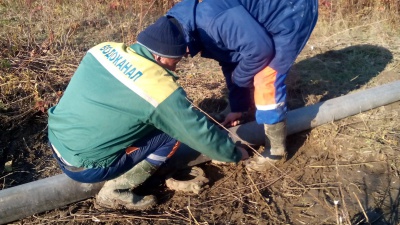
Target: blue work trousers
{"points": [[155, 148]]}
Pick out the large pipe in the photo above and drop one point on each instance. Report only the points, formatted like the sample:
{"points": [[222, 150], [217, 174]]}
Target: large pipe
{"points": [[324, 112], [45, 194], [53, 192]]}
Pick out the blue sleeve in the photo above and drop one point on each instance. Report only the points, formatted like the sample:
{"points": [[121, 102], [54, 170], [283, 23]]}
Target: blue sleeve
{"points": [[240, 32]]}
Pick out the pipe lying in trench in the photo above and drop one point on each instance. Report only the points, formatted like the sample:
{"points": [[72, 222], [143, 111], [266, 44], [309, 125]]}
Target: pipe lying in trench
{"points": [[53, 192]]}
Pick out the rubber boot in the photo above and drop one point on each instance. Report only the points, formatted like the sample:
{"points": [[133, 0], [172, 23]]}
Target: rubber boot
{"points": [[274, 150], [117, 193], [275, 141]]}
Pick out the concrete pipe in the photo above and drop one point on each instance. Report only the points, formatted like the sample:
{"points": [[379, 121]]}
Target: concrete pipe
{"points": [[53, 192]]}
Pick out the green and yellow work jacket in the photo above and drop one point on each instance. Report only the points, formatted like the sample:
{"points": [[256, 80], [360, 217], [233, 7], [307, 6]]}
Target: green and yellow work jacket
{"points": [[118, 95]]}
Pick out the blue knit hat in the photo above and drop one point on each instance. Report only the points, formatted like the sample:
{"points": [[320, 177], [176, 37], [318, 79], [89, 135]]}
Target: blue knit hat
{"points": [[164, 38]]}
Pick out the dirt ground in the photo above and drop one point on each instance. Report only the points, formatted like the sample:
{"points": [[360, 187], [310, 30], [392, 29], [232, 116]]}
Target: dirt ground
{"points": [[344, 172]]}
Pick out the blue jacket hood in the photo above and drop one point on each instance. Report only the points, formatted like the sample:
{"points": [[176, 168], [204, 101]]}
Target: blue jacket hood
{"points": [[188, 23]]}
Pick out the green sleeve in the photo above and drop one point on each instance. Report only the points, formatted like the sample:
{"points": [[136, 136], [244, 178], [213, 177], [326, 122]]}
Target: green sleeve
{"points": [[176, 117]]}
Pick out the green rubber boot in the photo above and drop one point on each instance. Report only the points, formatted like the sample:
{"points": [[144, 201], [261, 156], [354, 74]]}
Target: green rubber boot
{"points": [[117, 193], [275, 141], [274, 150]]}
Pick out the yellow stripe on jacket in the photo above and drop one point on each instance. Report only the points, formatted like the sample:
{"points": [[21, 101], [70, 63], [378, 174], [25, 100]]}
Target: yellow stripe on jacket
{"points": [[144, 77]]}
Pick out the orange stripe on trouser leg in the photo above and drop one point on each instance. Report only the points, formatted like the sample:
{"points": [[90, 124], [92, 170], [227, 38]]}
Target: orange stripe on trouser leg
{"points": [[176, 146], [264, 88], [129, 150]]}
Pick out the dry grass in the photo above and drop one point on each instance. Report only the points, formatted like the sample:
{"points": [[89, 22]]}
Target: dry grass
{"points": [[355, 45], [42, 42]]}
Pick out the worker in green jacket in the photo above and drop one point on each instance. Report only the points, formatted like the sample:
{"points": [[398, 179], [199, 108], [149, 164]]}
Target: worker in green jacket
{"points": [[123, 115]]}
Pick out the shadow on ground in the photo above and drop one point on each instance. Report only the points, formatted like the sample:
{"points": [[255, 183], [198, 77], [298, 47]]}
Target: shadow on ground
{"points": [[382, 206], [319, 78], [335, 73]]}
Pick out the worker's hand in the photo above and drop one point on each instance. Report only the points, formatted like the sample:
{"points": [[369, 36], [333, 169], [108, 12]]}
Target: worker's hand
{"points": [[232, 119], [245, 154]]}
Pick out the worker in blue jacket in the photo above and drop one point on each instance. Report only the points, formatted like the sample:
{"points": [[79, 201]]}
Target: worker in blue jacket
{"points": [[255, 42]]}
